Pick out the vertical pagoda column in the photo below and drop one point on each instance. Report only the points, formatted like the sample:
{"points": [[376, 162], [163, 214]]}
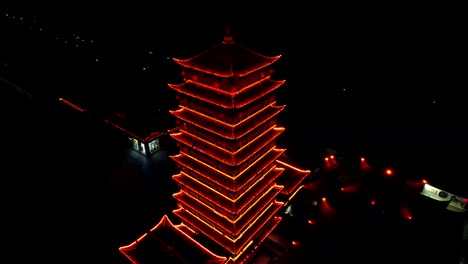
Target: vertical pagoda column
{"points": [[227, 160]]}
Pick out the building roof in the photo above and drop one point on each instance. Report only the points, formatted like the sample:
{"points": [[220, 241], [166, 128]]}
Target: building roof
{"points": [[168, 240], [228, 59]]}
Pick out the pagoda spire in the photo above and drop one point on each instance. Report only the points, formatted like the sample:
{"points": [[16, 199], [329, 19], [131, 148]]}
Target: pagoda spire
{"points": [[227, 35]]}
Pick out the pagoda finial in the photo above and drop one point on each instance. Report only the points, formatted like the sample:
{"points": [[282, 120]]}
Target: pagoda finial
{"points": [[227, 36]]}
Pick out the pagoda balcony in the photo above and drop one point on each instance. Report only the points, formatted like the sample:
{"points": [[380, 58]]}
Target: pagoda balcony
{"points": [[222, 155], [230, 145], [234, 244], [222, 222], [226, 130], [233, 182], [224, 98], [231, 208]]}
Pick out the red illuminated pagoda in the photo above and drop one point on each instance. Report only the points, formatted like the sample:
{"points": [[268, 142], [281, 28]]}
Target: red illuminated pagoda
{"points": [[232, 179]]}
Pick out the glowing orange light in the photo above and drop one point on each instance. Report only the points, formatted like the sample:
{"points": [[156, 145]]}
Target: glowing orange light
{"points": [[332, 157], [326, 159], [388, 172], [295, 243], [373, 202], [311, 222], [424, 181], [324, 199], [363, 159]]}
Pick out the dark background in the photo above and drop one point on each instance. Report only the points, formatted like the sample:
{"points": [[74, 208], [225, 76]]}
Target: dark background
{"points": [[392, 61]]}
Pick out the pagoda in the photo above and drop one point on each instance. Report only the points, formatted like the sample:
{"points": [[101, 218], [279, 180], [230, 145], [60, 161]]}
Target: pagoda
{"points": [[233, 183]]}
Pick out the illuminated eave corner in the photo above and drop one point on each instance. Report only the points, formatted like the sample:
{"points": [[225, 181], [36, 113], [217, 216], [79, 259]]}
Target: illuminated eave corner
{"points": [[292, 177], [165, 222]]}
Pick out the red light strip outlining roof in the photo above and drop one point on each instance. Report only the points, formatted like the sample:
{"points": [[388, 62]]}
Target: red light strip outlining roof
{"points": [[224, 98], [227, 130], [234, 182], [261, 235], [233, 245], [292, 177], [129, 250], [233, 206], [233, 227], [230, 59], [222, 155]]}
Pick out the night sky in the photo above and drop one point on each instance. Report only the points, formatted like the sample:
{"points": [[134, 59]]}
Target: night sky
{"points": [[384, 81]]}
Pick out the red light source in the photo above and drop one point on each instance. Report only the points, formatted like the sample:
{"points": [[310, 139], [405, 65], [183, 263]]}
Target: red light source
{"points": [[311, 222], [363, 159], [424, 181], [295, 243], [350, 188], [332, 157], [324, 199], [404, 211], [373, 202], [389, 172], [326, 159]]}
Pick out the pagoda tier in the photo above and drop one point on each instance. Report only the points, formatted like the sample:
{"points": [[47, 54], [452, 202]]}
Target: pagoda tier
{"points": [[227, 223], [227, 99], [226, 130], [221, 203], [196, 144], [231, 182], [230, 145], [226, 115], [262, 221]]}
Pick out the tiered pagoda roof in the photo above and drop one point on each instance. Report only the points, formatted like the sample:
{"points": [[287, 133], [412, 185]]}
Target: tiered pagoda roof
{"points": [[228, 59]]}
